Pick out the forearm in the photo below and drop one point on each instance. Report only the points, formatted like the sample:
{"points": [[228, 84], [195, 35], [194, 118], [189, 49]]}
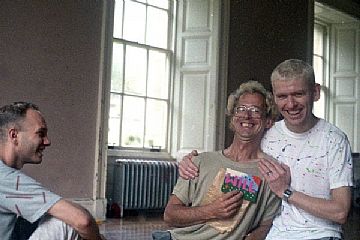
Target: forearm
{"points": [[333, 209], [182, 216], [77, 217], [89, 230], [260, 232]]}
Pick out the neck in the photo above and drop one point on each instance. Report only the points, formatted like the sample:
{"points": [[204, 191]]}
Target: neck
{"points": [[8, 158], [240, 151], [310, 123]]}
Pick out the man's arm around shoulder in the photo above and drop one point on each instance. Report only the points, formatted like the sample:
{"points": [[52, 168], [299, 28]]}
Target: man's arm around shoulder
{"points": [[77, 217]]}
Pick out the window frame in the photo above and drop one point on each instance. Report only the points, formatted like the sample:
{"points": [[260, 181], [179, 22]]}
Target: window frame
{"points": [[170, 52], [326, 68]]}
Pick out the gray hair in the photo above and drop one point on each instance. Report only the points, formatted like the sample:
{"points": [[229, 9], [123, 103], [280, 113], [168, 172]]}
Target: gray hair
{"points": [[252, 87], [13, 114], [293, 69]]}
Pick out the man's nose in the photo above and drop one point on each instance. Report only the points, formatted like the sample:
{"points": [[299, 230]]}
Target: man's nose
{"points": [[47, 141], [291, 102]]}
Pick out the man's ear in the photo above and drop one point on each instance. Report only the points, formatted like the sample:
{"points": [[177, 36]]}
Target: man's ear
{"points": [[317, 89], [13, 135]]}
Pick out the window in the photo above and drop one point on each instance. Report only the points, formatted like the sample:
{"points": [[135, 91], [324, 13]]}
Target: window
{"points": [[320, 67], [139, 112]]}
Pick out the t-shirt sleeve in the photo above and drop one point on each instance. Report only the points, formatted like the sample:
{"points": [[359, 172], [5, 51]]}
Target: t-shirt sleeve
{"points": [[185, 189], [340, 164], [26, 197], [272, 206]]}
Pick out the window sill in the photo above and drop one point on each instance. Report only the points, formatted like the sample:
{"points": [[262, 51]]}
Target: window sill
{"points": [[138, 154]]}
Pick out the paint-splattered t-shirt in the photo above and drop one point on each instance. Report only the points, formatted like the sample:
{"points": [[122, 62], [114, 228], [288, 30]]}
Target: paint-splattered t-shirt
{"points": [[320, 160], [21, 195]]}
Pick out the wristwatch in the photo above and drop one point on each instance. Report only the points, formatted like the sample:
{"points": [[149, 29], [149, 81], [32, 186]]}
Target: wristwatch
{"points": [[286, 194]]}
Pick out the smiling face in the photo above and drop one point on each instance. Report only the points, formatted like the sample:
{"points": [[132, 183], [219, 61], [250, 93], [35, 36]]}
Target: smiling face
{"points": [[249, 124], [31, 139], [295, 99]]}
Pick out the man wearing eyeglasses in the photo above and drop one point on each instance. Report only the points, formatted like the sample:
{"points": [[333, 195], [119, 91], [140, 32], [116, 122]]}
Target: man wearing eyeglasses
{"points": [[229, 199], [313, 172]]}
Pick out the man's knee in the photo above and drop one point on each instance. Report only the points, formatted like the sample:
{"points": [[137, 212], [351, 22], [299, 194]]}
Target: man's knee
{"points": [[52, 228]]}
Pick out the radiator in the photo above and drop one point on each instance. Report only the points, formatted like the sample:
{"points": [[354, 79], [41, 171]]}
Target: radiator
{"points": [[143, 184]]}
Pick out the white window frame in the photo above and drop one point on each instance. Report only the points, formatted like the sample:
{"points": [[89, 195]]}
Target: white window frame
{"points": [[324, 82], [132, 151], [196, 119]]}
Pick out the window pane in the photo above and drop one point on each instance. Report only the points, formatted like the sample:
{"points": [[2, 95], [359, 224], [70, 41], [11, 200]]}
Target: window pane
{"points": [[156, 123], [319, 69], [159, 3], [135, 70], [319, 106], [133, 122], [318, 40], [118, 14], [114, 120], [134, 22], [157, 28], [117, 67], [158, 75]]}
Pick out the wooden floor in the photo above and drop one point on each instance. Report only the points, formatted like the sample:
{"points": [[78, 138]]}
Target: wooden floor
{"points": [[139, 226], [133, 226]]}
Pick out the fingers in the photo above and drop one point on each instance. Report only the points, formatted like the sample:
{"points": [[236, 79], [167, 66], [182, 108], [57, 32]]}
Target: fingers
{"points": [[232, 196], [276, 174], [230, 203], [270, 169], [194, 152], [286, 167], [187, 169], [187, 173]]}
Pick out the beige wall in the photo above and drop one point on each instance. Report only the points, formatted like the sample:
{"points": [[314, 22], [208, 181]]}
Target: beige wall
{"points": [[50, 55]]}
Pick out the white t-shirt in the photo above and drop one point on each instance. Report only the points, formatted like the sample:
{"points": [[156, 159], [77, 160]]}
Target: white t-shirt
{"points": [[320, 160]]}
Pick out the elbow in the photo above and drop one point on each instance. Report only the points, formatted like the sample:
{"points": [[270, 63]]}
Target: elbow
{"points": [[341, 217], [84, 222], [168, 219]]}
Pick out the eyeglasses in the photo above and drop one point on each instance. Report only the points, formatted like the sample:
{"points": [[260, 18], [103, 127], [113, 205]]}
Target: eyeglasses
{"points": [[255, 112]]}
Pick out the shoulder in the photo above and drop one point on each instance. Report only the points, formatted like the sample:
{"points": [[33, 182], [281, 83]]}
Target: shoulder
{"points": [[207, 157], [331, 132], [275, 129], [267, 156]]}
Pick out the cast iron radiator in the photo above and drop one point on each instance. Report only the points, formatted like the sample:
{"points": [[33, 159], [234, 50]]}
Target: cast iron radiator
{"points": [[143, 184]]}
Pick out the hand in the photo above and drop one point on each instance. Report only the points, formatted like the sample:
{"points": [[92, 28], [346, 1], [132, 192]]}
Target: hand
{"points": [[227, 205], [276, 174], [187, 169]]}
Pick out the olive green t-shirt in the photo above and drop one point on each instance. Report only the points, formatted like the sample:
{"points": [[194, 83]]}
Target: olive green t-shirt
{"points": [[191, 192]]}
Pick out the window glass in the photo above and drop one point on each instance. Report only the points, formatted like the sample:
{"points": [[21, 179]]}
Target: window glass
{"points": [[318, 40], [159, 3], [135, 70], [134, 22], [117, 67], [114, 120], [158, 84], [319, 65], [157, 28], [133, 122], [140, 75], [118, 18], [156, 119]]}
